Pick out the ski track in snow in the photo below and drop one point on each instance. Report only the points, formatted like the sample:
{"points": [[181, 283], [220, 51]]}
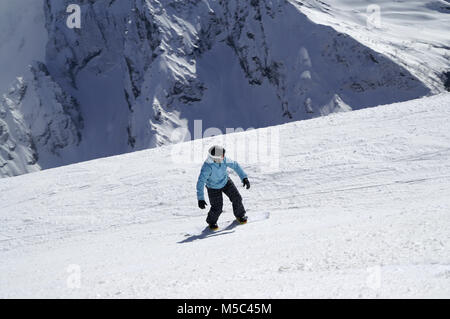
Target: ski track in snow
{"points": [[358, 208]]}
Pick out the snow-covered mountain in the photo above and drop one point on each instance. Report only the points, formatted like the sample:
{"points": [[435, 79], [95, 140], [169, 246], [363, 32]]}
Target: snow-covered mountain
{"points": [[409, 32], [359, 208], [138, 69], [37, 121]]}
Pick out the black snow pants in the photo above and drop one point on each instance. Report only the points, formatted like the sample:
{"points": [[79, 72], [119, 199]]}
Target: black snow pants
{"points": [[216, 201]]}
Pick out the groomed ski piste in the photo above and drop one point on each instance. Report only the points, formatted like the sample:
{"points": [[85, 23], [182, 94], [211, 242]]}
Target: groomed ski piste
{"points": [[358, 207]]}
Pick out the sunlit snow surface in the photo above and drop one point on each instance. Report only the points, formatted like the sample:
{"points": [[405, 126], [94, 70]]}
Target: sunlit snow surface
{"points": [[359, 207]]}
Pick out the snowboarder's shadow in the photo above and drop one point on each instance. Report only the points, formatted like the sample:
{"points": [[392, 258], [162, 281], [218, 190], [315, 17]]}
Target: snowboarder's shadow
{"points": [[206, 233]]}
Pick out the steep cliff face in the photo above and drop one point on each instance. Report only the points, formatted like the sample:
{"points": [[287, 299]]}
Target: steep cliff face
{"points": [[17, 151], [39, 123], [138, 69], [53, 117], [169, 55]]}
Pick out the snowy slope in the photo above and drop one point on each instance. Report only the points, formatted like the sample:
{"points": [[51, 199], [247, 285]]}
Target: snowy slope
{"points": [[358, 208]]}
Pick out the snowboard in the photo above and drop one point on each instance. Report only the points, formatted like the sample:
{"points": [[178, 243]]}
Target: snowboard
{"points": [[226, 226], [254, 217]]}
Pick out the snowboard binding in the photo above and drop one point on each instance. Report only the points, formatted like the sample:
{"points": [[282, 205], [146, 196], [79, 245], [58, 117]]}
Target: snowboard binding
{"points": [[213, 227], [242, 220]]}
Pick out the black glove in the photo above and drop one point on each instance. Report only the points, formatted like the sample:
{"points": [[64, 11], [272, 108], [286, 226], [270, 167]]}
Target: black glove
{"points": [[245, 182], [202, 204]]}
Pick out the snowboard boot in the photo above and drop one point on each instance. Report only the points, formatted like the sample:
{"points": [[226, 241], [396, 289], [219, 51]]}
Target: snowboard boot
{"points": [[242, 220], [213, 227]]}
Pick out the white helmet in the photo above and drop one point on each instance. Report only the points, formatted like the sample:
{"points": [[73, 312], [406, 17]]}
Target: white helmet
{"points": [[217, 153]]}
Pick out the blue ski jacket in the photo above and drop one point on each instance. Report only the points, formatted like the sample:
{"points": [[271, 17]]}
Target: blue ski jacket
{"points": [[215, 175]]}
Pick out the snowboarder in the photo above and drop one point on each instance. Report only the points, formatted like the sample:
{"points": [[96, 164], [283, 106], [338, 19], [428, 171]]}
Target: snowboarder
{"points": [[214, 175]]}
